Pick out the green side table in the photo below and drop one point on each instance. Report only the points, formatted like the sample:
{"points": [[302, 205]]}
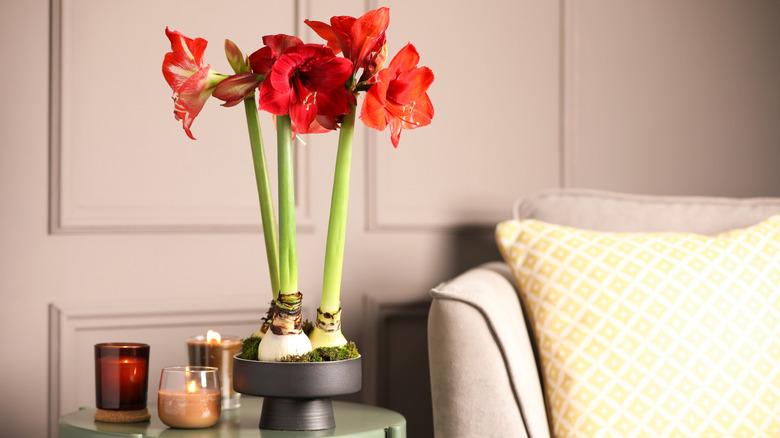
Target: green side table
{"points": [[352, 420]]}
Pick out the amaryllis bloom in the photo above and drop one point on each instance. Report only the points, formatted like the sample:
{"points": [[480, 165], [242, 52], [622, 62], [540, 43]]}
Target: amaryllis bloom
{"points": [[362, 40], [241, 85], [190, 78], [399, 97], [308, 83]]}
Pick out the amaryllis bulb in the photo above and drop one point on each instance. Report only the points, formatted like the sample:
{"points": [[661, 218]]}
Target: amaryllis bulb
{"points": [[321, 338], [273, 347]]}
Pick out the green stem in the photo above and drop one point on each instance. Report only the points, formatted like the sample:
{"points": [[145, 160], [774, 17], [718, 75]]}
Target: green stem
{"points": [[337, 225], [288, 269], [263, 192]]}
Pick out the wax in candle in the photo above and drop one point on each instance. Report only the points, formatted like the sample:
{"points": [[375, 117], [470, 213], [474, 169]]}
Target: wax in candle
{"points": [[121, 376], [189, 409], [122, 379]]}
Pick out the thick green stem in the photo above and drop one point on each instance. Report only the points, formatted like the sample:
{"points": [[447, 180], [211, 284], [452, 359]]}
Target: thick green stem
{"points": [[337, 225], [263, 192], [288, 268]]}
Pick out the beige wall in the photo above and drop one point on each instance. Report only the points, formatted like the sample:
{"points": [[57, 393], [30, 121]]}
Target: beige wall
{"points": [[125, 220]]}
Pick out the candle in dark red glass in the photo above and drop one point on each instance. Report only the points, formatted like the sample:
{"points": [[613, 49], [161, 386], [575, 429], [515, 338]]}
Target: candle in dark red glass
{"points": [[121, 375]]}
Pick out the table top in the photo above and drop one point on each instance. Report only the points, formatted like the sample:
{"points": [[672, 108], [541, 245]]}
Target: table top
{"points": [[352, 420]]}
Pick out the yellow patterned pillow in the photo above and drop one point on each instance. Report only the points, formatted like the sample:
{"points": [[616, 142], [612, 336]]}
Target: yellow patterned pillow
{"points": [[653, 334]]}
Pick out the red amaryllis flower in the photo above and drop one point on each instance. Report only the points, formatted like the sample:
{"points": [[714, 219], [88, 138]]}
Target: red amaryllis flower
{"points": [[362, 40], [241, 85], [190, 78], [308, 83], [399, 97]]}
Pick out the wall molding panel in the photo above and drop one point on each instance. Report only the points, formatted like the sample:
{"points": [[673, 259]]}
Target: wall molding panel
{"points": [[463, 171], [679, 99], [109, 176], [75, 327]]}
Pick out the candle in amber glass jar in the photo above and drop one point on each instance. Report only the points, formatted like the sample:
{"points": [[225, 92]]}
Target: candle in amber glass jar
{"points": [[215, 350], [189, 397], [121, 375]]}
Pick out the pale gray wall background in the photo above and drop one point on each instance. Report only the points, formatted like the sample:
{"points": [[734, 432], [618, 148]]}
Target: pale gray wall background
{"points": [[135, 232]]}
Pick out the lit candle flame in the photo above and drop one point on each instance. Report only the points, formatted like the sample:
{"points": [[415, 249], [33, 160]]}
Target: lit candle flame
{"points": [[213, 337], [192, 386]]}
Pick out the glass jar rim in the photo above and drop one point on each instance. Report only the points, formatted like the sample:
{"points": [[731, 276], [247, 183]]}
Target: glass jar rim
{"points": [[202, 338], [128, 345], [190, 369]]}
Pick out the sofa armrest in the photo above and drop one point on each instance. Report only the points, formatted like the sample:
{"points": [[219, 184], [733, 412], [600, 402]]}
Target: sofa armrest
{"points": [[484, 378]]}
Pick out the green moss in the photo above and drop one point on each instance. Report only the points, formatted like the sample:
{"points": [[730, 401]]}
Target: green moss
{"points": [[326, 354], [249, 348]]}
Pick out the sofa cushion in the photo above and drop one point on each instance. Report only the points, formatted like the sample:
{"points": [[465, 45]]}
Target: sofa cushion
{"points": [[666, 334]]}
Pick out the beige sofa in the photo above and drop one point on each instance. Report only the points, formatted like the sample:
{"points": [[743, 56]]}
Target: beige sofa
{"points": [[484, 375]]}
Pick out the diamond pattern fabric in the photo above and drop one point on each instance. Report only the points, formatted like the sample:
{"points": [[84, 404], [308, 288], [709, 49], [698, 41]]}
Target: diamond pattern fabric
{"points": [[653, 334]]}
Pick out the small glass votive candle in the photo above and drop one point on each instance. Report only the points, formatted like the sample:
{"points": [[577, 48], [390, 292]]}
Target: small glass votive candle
{"points": [[121, 380], [215, 350], [189, 397]]}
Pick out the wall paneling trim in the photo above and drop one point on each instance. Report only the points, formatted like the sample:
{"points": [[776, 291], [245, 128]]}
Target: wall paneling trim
{"points": [[75, 327], [119, 162]]}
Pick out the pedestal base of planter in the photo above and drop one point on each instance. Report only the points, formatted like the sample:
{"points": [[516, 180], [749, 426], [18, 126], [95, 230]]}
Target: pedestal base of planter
{"points": [[280, 413], [297, 395]]}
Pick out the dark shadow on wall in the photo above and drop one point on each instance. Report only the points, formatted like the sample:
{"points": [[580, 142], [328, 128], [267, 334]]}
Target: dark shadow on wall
{"points": [[403, 380], [402, 372], [471, 246]]}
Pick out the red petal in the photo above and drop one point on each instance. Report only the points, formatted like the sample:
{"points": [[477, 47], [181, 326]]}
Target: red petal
{"points": [[342, 24], [303, 105], [281, 42], [261, 61], [333, 103], [320, 125], [413, 114], [327, 33], [236, 88], [191, 97], [329, 72], [368, 34], [405, 60], [373, 112], [410, 85], [420, 114], [283, 69], [184, 60], [342, 27], [374, 64], [193, 48], [326, 123], [273, 101], [395, 132]]}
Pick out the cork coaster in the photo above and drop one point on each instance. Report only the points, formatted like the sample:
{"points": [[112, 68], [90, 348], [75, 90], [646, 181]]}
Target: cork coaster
{"points": [[137, 416]]}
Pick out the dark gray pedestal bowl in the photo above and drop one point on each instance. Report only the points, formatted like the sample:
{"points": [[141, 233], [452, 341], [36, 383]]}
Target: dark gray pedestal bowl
{"points": [[296, 396]]}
